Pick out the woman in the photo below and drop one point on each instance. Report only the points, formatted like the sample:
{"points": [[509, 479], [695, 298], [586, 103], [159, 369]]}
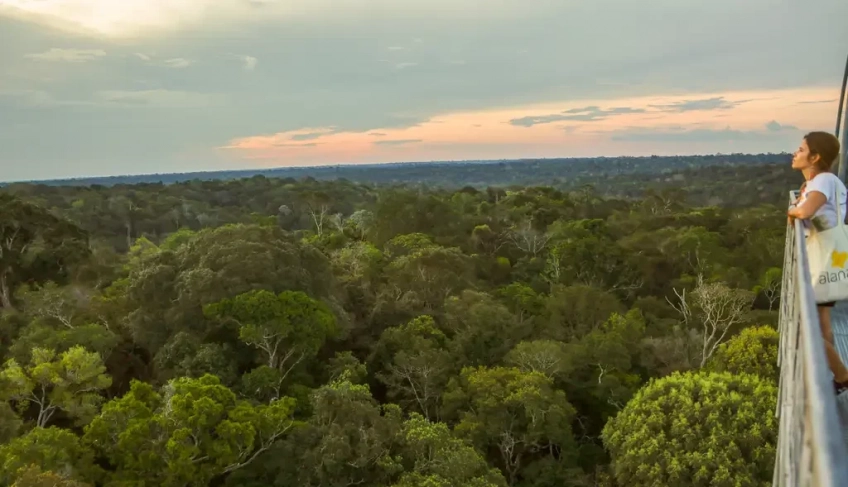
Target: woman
{"points": [[820, 194]]}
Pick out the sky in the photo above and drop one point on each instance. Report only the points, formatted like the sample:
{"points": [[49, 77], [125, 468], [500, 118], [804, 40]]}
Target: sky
{"points": [[109, 87]]}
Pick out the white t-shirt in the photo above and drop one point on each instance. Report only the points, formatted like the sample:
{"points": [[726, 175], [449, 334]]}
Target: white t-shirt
{"points": [[834, 190]]}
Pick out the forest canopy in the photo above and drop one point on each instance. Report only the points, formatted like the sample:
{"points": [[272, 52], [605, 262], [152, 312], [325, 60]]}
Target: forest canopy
{"points": [[280, 332]]}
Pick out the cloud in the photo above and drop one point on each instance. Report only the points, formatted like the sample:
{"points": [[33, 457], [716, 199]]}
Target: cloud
{"points": [[448, 135], [29, 98], [285, 144], [311, 135], [321, 67], [178, 62], [149, 18], [715, 103], [250, 62], [68, 55], [774, 126], [398, 142], [405, 65], [377, 134], [294, 138], [174, 62], [813, 102], [595, 113], [127, 18], [586, 114], [678, 133], [154, 98]]}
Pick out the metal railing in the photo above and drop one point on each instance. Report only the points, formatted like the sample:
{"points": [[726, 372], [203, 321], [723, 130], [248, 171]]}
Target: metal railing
{"points": [[841, 112], [810, 447]]}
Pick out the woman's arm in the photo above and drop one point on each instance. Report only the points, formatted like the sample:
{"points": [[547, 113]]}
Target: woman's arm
{"points": [[807, 208]]}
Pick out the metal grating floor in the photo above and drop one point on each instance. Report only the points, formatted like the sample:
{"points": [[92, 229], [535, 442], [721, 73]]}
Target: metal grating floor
{"points": [[839, 322]]}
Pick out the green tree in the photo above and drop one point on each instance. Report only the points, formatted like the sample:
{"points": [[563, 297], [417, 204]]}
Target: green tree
{"points": [[34, 245], [485, 240], [696, 429], [714, 309], [349, 440], [584, 252], [10, 423], [69, 382], [358, 269], [33, 476], [191, 433], [288, 328], [167, 293], [607, 360], [769, 285], [421, 274], [52, 303], [549, 357], [414, 363], [93, 337], [753, 351], [512, 412], [436, 458], [53, 449], [345, 364], [185, 356], [604, 376], [525, 303], [574, 311], [482, 330]]}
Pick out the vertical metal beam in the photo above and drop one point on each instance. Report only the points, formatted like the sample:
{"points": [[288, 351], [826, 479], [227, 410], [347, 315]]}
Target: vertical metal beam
{"points": [[841, 112]]}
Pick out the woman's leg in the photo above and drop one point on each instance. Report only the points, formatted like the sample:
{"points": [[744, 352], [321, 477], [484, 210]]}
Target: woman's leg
{"points": [[840, 372]]}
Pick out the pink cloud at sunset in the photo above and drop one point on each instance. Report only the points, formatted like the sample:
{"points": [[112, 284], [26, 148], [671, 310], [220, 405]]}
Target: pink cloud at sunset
{"points": [[688, 123]]}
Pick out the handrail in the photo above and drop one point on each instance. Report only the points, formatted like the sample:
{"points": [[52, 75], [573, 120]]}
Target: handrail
{"points": [[810, 450]]}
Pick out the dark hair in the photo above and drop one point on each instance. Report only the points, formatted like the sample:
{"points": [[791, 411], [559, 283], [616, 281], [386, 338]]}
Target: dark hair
{"points": [[826, 146]]}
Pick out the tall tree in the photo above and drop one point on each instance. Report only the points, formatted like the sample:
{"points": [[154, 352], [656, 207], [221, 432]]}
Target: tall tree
{"points": [[70, 382], [438, 458], [288, 328], [511, 412], [192, 432], [35, 245], [54, 449], [714, 308]]}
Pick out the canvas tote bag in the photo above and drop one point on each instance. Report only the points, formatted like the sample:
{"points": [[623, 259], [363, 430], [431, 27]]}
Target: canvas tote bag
{"points": [[827, 251]]}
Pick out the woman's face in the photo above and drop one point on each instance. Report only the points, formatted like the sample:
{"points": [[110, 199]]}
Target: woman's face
{"points": [[802, 160]]}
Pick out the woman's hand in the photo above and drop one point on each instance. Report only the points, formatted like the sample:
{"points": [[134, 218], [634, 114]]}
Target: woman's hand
{"points": [[792, 214]]}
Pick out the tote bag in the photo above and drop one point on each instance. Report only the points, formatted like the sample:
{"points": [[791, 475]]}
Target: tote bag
{"points": [[827, 251]]}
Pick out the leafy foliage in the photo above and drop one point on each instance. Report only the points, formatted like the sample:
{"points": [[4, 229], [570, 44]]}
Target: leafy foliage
{"points": [[69, 382], [715, 429], [752, 351], [194, 431]]}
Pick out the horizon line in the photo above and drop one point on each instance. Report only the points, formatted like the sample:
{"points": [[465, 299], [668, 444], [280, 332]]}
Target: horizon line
{"points": [[376, 164]]}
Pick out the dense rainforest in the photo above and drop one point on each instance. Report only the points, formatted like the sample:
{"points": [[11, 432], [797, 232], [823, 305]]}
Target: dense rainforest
{"points": [[286, 332], [750, 175]]}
